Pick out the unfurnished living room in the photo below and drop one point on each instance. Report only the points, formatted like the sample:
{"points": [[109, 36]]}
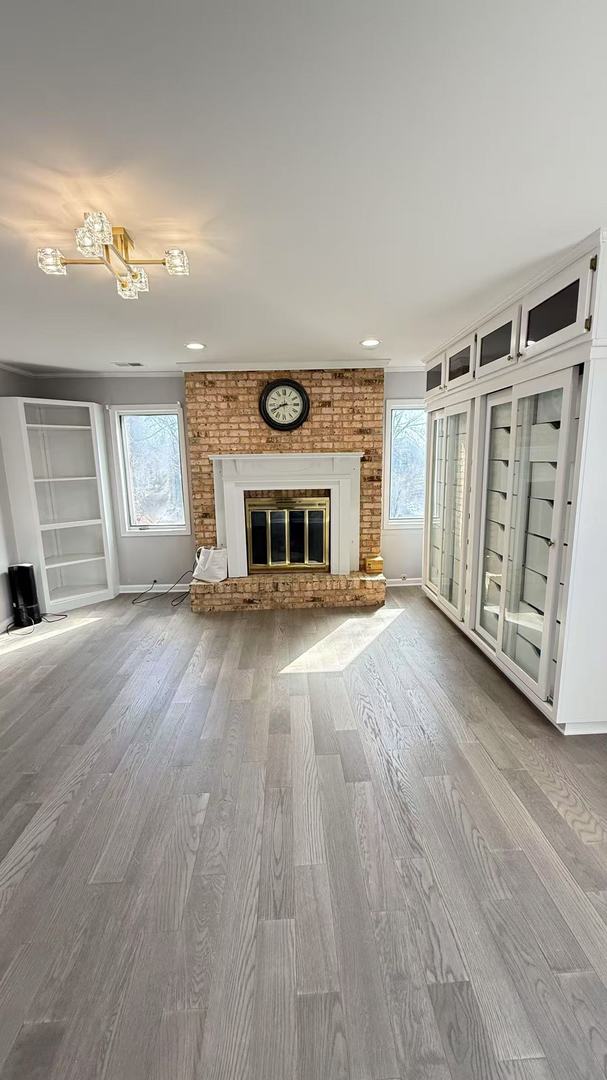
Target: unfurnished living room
{"points": [[303, 491]]}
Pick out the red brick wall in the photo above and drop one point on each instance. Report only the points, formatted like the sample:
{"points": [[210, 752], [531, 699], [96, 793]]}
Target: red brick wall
{"points": [[346, 414]]}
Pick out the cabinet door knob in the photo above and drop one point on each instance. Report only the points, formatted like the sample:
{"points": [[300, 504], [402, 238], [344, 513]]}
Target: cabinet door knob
{"points": [[510, 358]]}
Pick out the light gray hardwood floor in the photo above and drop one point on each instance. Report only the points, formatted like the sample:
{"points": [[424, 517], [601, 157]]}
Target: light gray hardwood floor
{"points": [[313, 845]]}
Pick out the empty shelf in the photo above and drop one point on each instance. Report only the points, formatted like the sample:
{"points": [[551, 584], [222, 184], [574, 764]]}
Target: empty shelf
{"points": [[70, 560], [69, 524], [60, 479], [60, 427]]}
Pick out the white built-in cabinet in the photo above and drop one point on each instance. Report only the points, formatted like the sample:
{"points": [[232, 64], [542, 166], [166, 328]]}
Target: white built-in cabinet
{"points": [[57, 476], [516, 504]]}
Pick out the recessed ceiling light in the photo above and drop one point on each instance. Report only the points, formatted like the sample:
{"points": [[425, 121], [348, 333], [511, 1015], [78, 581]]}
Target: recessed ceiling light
{"points": [[195, 345], [370, 342]]}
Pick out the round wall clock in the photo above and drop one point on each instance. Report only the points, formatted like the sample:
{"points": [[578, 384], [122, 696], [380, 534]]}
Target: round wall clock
{"points": [[284, 404]]}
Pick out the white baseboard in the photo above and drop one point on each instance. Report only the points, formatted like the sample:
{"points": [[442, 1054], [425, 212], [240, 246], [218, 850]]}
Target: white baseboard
{"points": [[158, 587], [392, 581]]}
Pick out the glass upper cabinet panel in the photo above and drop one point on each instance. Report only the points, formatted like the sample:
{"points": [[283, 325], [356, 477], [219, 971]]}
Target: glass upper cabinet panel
{"points": [[497, 341], [436, 501], [459, 361], [434, 376], [538, 422], [493, 549], [557, 311], [452, 555], [553, 314], [495, 344]]}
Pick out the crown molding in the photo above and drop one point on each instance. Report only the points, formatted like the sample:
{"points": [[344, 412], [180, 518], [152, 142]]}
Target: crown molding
{"points": [[278, 365]]}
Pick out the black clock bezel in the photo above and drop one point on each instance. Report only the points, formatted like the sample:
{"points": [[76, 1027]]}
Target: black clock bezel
{"points": [[267, 390]]}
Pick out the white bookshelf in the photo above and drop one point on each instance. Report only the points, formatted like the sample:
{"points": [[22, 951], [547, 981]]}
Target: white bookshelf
{"points": [[58, 483]]}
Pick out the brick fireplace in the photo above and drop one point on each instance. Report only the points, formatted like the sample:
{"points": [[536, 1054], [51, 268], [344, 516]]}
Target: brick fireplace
{"points": [[338, 450]]}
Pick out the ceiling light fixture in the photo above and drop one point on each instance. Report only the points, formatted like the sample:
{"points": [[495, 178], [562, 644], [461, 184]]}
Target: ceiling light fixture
{"points": [[370, 342], [195, 345], [100, 244]]}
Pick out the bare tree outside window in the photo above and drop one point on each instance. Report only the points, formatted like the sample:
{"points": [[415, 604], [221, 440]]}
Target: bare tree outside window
{"points": [[152, 460], [407, 463]]}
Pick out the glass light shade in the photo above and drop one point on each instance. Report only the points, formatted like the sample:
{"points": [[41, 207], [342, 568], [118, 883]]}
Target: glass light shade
{"points": [[176, 261], [97, 223], [140, 279], [127, 289], [88, 243], [49, 261]]}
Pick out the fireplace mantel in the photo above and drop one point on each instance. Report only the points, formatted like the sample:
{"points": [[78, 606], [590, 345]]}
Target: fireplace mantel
{"points": [[233, 474]]}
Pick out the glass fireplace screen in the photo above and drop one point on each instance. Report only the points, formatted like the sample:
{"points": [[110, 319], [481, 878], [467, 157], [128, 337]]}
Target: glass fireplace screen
{"points": [[287, 533]]}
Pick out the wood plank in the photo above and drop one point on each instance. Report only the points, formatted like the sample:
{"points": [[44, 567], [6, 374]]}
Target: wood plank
{"points": [[587, 998], [276, 893], [274, 1025], [171, 884], [418, 1046], [314, 931], [382, 879], [321, 1038], [33, 1052], [227, 1035], [308, 839], [467, 1048], [352, 754], [433, 929], [569, 1057], [368, 1031]]}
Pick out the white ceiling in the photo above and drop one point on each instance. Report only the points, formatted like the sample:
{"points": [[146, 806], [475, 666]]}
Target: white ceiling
{"points": [[335, 169]]}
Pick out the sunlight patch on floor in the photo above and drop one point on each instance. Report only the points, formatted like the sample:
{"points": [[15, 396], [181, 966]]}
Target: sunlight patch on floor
{"points": [[339, 648], [14, 644]]}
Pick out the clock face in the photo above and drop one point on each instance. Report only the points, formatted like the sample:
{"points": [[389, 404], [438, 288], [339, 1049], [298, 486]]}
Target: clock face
{"points": [[284, 404]]}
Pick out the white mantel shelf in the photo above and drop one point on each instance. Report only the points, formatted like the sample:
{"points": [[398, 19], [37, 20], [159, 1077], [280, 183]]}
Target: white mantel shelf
{"points": [[234, 474]]}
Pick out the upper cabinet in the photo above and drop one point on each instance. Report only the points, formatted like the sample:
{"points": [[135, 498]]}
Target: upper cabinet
{"points": [[497, 341], [548, 316], [435, 376], [459, 362], [558, 310]]}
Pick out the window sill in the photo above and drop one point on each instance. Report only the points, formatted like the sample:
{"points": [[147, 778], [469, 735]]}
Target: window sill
{"points": [[410, 523], [155, 532]]}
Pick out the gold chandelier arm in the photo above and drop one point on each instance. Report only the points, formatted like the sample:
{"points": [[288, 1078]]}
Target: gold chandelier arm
{"points": [[147, 262]]}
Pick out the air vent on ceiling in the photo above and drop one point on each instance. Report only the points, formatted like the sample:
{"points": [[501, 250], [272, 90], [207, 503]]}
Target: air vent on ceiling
{"points": [[127, 363]]}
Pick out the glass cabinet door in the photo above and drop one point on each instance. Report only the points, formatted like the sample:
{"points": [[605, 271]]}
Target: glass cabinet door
{"points": [[539, 445], [435, 498], [493, 536], [453, 555]]}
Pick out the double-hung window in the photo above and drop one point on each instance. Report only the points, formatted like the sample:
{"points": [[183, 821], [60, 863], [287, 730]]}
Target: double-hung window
{"points": [[405, 464], [151, 474]]}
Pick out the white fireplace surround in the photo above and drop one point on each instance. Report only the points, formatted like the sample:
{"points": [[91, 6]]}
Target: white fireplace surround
{"points": [[234, 474]]}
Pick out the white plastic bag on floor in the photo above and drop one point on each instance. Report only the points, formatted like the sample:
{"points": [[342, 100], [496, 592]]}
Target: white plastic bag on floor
{"points": [[211, 564]]}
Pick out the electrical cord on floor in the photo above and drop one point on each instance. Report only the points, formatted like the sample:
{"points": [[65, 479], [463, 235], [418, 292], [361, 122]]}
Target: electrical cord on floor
{"points": [[47, 617], [144, 596]]}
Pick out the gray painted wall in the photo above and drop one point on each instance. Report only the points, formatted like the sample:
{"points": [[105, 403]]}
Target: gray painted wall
{"points": [[143, 558], [10, 386], [140, 558]]}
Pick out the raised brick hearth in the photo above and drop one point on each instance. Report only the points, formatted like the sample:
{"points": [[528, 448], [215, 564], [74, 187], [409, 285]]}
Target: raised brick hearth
{"points": [[346, 417]]}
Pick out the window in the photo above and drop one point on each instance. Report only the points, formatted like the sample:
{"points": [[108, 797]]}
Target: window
{"points": [[149, 451], [405, 464]]}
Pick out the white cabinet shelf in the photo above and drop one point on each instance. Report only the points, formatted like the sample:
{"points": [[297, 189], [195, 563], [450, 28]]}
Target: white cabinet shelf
{"points": [[69, 524], [52, 561], [63, 522], [60, 479]]}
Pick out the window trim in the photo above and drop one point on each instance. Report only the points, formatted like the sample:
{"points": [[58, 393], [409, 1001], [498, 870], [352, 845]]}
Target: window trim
{"points": [[391, 405], [121, 474]]}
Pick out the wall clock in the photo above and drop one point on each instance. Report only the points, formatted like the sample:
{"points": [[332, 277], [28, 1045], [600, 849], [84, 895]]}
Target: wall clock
{"points": [[284, 404]]}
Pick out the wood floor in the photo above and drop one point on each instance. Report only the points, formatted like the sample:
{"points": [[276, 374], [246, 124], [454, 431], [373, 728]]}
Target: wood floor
{"points": [[292, 846]]}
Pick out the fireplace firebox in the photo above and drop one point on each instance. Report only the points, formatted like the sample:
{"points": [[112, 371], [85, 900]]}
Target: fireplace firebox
{"points": [[287, 534]]}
